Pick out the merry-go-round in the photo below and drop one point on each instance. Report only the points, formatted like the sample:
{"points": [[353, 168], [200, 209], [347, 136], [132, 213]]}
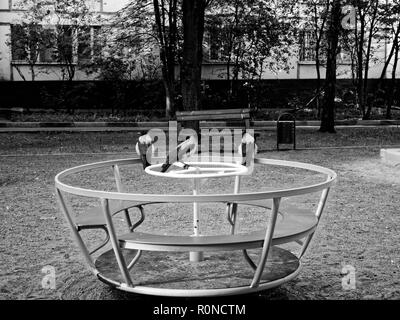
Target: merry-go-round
{"points": [[197, 264]]}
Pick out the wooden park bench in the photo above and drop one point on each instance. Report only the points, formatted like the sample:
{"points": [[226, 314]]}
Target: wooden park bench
{"points": [[230, 116]]}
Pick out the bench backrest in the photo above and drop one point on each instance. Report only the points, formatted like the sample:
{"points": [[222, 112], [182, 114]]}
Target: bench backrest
{"points": [[219, 114]]}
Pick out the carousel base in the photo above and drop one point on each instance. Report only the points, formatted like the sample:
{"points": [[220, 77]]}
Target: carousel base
{"points": [[219, 274]]}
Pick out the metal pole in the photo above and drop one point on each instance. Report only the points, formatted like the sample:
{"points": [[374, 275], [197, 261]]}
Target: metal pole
{"points": [[320, 209], [120, 188], [196, 256], [75, 232], [115, 244], [233, 206], [267, 244]]}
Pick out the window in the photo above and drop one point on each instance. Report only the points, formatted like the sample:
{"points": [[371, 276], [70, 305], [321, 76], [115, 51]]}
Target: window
{"points": [[89, 43], [39, 44], [64, 44], [19, 5], [52, 44], [344, 56], [307, 46], [84, 44], [307, 49], [97, 41], [216, 46], [18, 43], [27, 42], [47, 47]]}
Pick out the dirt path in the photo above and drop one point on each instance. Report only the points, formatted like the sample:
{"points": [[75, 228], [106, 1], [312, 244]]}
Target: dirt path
{"points": [[360, 227]]}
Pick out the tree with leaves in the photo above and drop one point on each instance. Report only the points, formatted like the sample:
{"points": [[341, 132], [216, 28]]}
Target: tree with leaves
{"points": [[144, 36], [166, 16], [391, 25], [193, 17], [26, 41], [316, 16], [255, 36], [334, 29], [364, 40]]}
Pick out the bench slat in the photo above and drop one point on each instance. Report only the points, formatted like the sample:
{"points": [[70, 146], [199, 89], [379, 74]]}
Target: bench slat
{"points": [[240, 116], [214, 111]]}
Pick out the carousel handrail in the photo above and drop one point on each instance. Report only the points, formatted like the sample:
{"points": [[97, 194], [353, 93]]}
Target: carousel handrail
{"points": [[168, 198]]}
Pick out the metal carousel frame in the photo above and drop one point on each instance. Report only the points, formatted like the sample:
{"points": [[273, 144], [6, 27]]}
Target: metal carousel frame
{"points": [[298, 228]]}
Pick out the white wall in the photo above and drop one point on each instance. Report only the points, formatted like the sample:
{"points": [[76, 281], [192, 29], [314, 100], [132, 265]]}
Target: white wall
{"points": [[306, 70], [5, 53], [45, 72], [114, 5], [4, 4], [219, 72]]}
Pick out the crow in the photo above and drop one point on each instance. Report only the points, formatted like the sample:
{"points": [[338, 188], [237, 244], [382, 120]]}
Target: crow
{"points": [[175, 155], [247, 144], [142, 145]]}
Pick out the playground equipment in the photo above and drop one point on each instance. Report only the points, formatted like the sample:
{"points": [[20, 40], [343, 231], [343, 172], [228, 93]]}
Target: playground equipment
{"points": [[154, 264]]}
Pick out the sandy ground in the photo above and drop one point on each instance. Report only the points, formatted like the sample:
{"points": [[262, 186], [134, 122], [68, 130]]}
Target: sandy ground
{"points": [[360, 227]]}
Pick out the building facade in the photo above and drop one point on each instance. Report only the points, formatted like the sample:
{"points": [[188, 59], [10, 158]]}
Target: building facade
{"points": [[15, 66]]}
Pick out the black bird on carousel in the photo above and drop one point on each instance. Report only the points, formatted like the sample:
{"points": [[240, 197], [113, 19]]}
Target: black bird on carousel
{"points": [[142, 145], [247, 147], [187, 147]]}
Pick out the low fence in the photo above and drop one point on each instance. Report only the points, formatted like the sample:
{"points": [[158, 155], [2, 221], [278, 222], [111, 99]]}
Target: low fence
{"points": [[148, 96], [145, 126]]}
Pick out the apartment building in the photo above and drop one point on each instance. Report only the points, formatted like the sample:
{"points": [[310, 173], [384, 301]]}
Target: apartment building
{"points": [[14, 65]]}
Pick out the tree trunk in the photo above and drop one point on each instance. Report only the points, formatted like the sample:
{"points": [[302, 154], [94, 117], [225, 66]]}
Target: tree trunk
{"points": [[393, 80], [169, 98], [317, 65], [360, 63], [367, 62], [328, 109], [193, 29], [393, 52], [21, 74], [359, 44], [232, 44], [383, 75], [33, 76], [390, 56], [167, 42], [318, 36]]}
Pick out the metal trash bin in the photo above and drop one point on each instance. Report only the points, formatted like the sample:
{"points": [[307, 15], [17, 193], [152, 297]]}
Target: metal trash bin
{"points": [[286, 130]]}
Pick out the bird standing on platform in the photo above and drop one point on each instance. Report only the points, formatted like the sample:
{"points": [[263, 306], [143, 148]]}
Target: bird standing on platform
{"points": [[247, 145], [142, 145], [189, 147]]}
